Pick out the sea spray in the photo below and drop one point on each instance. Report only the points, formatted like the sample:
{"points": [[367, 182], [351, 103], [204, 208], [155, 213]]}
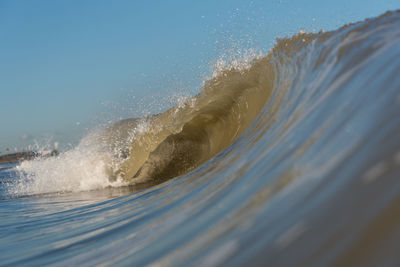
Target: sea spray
{"points": [[312, 181], [85, 167]]}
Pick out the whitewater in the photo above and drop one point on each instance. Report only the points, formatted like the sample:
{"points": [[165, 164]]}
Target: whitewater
{"points": [[285, 159]]}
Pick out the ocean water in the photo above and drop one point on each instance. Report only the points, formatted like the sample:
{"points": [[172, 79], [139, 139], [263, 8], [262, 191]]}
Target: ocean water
{"points": [[285, 159]]}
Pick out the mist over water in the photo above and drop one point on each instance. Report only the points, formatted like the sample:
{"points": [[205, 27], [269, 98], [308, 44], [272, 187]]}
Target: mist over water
{"points": [[289, 158]]}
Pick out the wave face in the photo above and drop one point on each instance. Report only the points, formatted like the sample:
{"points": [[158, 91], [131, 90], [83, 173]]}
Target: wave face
{"points": [[288, 159], [184, 137]]}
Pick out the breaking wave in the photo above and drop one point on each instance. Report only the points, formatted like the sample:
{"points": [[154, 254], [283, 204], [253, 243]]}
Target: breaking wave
{"points": [[315, 82], [291, 158]]}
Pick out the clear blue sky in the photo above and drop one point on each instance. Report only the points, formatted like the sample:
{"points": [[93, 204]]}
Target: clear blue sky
{"points": [[69, 65]]}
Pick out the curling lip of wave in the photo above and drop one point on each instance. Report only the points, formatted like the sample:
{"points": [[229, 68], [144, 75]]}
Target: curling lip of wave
{"points": [[182, 138]]}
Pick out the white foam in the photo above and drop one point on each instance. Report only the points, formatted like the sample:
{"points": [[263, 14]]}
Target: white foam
{"points": [[85, 167]]}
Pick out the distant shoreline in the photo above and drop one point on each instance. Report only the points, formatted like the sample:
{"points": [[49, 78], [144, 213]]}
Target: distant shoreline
{"points": [[21, 156]]}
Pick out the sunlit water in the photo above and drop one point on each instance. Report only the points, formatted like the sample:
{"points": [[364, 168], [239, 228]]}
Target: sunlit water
{"points": [[313, 181]]}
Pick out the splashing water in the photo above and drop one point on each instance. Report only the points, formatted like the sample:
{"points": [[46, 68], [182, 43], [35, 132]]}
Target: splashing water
{"points": [[288, 159]]}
